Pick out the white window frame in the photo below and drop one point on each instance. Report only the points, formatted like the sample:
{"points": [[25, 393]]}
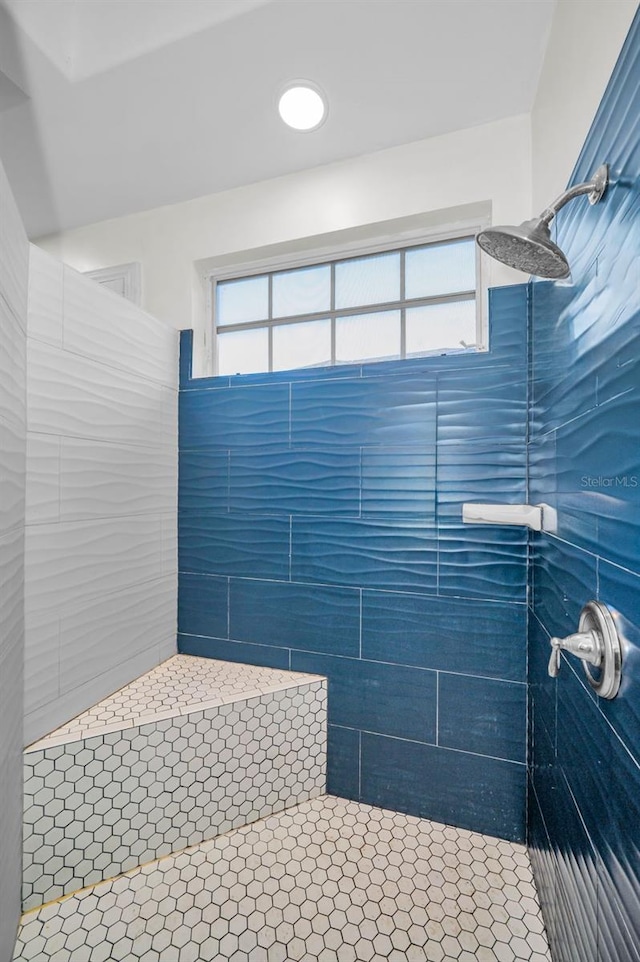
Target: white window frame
{"points": [[388, 243]]}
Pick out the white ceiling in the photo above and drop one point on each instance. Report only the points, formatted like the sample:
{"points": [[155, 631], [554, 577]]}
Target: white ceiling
{"points": [[138, 103], [87, 37]]}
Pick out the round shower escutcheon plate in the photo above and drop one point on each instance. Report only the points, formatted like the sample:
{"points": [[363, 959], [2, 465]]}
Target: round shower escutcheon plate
{"points": [[595, 616]]}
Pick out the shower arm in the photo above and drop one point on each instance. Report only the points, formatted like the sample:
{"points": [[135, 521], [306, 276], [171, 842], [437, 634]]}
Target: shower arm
{"points": [[595, 188]]}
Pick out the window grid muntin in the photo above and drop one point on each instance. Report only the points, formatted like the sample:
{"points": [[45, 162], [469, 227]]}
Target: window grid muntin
{"points": [[402, 304]]}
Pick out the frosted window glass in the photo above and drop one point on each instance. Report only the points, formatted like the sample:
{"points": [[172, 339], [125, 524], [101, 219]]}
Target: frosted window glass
{"points": [[440, 327], [368, 280], [240, 301], [367, 337], [301, 345], [440, 269], [304, 291], [243, 352]]}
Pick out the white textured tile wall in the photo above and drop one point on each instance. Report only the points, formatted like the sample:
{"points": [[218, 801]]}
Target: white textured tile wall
{"points": [[14, 258], [12, 359], [14, 254], [98, 327], [137, 619], [68, 563], [46, 297], [74, 396], [101, 490]]}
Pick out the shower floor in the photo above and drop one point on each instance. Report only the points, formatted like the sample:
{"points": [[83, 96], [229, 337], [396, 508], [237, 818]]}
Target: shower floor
{"points": [[326, 881]]}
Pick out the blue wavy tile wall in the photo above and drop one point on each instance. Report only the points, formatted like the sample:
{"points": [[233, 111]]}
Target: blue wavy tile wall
{"points": [[585, 461], [320, 530]]}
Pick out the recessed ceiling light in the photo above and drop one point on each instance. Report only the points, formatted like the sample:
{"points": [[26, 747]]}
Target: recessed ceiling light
{"points": [[302, 106]]}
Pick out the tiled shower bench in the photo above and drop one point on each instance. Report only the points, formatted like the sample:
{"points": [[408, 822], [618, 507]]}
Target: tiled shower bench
{"points": [[187, 752]]}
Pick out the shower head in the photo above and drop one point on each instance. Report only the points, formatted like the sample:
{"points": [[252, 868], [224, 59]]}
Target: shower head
{"points": [[529, 247]]}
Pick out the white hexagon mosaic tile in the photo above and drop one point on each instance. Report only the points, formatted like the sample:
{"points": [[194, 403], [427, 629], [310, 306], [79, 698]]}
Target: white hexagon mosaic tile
{"points": [[180, 685], [326, 881], [97, 806]]}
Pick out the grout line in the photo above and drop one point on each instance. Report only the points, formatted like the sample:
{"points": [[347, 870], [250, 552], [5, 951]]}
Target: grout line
{"points": [[354, 657], [442, 748], [471, 599]]}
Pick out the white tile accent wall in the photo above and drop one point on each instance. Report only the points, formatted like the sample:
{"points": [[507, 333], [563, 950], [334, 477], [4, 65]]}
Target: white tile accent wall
{"points": [[101, 493], [73, 396], [192, 749], [14, 254]]}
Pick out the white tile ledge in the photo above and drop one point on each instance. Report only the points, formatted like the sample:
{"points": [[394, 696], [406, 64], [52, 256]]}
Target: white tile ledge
{"points": [[186, 683]]}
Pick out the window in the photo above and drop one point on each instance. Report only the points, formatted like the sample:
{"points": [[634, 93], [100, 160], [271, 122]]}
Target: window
{"points": [[123, 280], [387, 305]]}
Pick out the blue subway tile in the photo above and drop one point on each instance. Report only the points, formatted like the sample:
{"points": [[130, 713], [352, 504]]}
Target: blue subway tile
{"points": [[588, 470], [202, 605], [491, 405], [327, 373], [482, 561], [576, 882], [238, 545], [555, 397], [186, 352], [482, 715], [542, 689], [320, 618], [484, 471], [620, 590], [598, 467], [343, 762], [468, 791], [564, 579], [389, 699], [605, 781], [508, 323], [398, 482], [293, 481], [542, 769], [476, 637], [584, 420], [543, 865], [543, 487], [203, 482], [235, 417], [617, 370], [214, 383], [369, 553], [225, 650], [367, 410]]}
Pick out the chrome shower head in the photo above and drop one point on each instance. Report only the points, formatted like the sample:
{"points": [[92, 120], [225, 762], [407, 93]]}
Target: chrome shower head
{"points": [[529, 247]]}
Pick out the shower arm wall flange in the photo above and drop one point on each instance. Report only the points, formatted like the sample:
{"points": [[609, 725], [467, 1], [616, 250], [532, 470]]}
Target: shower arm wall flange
{"points": [[594, 188]]}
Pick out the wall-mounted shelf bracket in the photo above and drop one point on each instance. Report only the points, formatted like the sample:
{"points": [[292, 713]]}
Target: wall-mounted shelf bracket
{"points": [[529, 515]]}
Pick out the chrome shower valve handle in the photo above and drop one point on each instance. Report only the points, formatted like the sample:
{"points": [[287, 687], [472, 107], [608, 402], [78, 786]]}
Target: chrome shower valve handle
{"points": [[596, 643], [585, 644]]}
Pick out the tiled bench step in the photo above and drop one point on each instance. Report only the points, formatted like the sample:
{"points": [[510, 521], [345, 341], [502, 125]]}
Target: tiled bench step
{"points": [[185, 753]]}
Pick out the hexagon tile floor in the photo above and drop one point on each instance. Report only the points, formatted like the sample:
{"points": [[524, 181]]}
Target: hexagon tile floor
{"points": [[326, 881]]}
